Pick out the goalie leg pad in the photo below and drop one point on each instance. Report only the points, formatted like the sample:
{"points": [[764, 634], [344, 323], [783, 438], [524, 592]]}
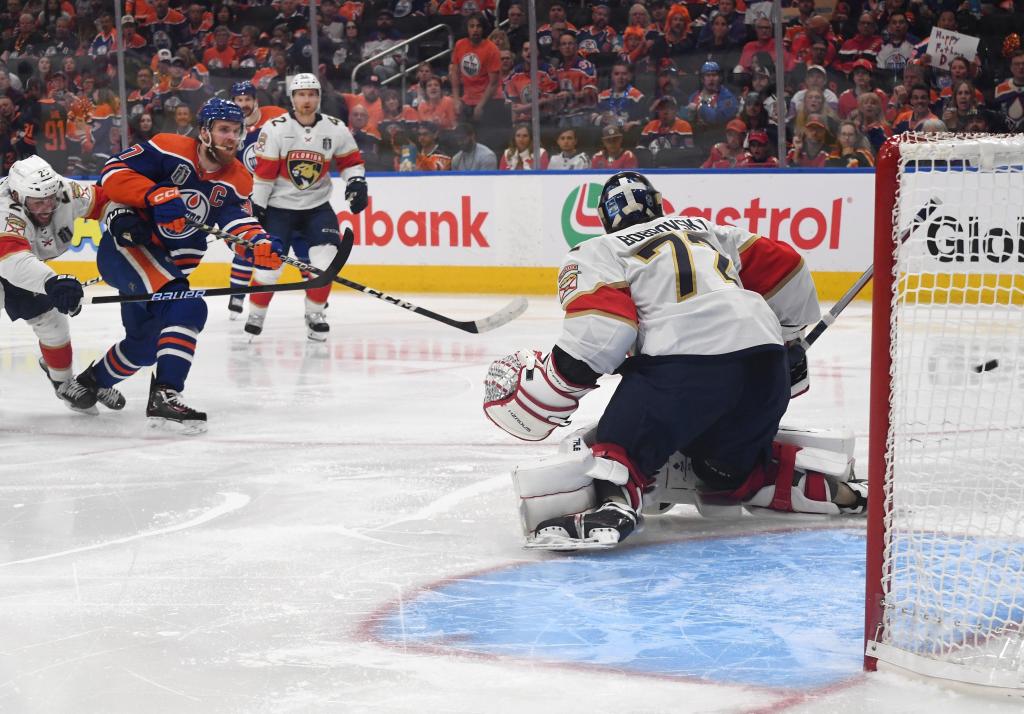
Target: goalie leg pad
{"points": [[580, 440], [805, 483], [839, 440], [554, 487]]}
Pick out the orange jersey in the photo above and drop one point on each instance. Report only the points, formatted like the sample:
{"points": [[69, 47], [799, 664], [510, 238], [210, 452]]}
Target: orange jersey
{"points": [[475, 65], [128, 185]]}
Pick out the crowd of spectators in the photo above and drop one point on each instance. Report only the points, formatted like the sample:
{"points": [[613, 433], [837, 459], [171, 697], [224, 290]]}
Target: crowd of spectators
{"points": [[621, 83]]}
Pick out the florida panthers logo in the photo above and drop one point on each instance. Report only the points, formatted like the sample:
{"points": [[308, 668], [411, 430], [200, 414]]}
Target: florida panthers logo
{"points": [[304, 168], [197, 207]]}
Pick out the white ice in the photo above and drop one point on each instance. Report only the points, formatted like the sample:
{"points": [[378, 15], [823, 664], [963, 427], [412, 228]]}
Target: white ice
{"points": [[241, 571]]}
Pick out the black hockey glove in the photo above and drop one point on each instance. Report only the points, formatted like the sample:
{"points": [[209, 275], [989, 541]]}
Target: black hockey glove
{"points": [[65, 292], [799, 378], [355, 194], [127, 228]]}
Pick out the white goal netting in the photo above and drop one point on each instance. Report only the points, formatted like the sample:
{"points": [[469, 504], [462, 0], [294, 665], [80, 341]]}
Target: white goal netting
{"points": [[952, 583]]}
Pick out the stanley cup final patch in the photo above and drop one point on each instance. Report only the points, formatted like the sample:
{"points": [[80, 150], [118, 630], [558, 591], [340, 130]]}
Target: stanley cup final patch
{"points": [[304, 167]]}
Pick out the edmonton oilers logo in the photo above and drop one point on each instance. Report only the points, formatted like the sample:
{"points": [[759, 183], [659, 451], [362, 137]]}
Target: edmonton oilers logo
{"points": [[197, 210], [249, 157], [470, 65]]}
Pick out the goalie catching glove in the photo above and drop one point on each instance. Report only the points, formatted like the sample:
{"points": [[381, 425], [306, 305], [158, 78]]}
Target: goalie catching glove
{"points": [[527, 396]]}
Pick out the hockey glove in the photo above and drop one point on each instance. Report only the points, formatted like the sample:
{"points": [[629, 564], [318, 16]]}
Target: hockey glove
{"points": [[65, 292], [799, 378], [526, 395], [266, 252], [166, 208], [260, 213], [355, 194], [127, 228]]}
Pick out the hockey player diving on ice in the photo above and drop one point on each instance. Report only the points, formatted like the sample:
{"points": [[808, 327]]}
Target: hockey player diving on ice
{"points": [[704, 324]]}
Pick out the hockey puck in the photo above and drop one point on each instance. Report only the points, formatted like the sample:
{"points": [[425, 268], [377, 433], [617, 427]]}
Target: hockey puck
{"points": [[987, 367]]}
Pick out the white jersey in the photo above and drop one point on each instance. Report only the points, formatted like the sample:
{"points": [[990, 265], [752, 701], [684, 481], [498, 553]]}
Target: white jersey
{"points": [[24, 245], [680, 286], [564, 162], [293, 161]]}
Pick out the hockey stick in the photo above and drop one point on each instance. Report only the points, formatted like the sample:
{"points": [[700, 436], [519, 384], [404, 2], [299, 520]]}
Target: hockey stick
{"points": [[323, 278], [923, 215], [505, 315]]}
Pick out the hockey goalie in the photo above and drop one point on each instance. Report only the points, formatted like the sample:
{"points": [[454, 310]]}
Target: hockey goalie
{"points": [[704, 324]]}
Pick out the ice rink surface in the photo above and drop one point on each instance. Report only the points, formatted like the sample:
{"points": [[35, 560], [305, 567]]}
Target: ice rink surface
{"points": [[345, 539]]}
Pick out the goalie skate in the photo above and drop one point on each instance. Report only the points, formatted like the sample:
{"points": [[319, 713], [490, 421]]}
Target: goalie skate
{"points": [[602, 528]]}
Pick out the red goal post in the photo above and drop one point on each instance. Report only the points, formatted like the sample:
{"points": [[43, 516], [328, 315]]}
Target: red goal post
{"points": [[945, 544]]}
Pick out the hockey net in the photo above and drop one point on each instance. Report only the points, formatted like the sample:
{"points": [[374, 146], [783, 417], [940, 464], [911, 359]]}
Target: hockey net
{"points": [[945, 590]]}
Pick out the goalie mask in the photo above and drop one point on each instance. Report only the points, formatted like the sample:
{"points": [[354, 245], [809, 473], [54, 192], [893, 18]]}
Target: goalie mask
{"points": [[627, 199]]}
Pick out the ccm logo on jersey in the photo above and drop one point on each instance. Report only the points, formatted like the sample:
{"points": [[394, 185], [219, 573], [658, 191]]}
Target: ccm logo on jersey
{"points": [[304, 167]]}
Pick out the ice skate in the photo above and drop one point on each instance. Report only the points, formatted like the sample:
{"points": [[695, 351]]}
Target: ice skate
{"points": [[109, 397], [166, 410], [604, 527], [254, 325], [77, 397], [317, 328], [236, 305]]}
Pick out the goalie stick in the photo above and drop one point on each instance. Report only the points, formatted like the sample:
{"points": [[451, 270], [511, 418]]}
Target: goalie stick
{"points": [[923, 215], [503, 316], [323, 278]]}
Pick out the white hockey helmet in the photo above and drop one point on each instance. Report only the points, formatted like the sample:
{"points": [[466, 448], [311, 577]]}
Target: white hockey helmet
{"points": [[305, 80], [33, 178]]}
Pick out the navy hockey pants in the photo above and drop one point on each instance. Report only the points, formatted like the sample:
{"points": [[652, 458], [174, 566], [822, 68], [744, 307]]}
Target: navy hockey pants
{"points": [[722, 408]]}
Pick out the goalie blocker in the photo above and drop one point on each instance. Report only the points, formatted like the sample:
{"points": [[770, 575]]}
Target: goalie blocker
{"points": [[559, 495]]}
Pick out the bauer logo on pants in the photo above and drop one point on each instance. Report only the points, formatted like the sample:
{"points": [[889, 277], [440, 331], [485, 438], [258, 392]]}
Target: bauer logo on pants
{"points": [[304, 167]]}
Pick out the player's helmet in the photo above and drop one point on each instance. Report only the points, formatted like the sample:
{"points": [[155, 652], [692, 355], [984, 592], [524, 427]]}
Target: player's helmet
{"points": [[33, 178], [217, 108], [709, 67], [304, 80], [627, 199], [240, 88]]}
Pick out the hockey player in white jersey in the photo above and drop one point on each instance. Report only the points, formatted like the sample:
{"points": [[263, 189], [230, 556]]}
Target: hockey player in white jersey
{"points": [[38, 208], [292, 190], [696, 318]]}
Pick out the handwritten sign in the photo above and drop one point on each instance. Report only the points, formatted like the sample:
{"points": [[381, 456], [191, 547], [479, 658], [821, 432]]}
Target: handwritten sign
{"points": [[944, 45]]}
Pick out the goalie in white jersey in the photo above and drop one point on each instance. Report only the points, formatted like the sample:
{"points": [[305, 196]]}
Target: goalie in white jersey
{"points": [[38, 208], [292, 190], [697, 318]]}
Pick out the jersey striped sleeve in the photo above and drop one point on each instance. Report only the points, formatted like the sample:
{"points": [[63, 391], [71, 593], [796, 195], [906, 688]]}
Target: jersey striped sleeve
{"points": [[600, 325], [776, 271], [19, 266]]}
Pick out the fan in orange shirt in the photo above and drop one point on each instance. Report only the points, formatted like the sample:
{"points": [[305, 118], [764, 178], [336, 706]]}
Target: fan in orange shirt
{"points": [[437, 107]]}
